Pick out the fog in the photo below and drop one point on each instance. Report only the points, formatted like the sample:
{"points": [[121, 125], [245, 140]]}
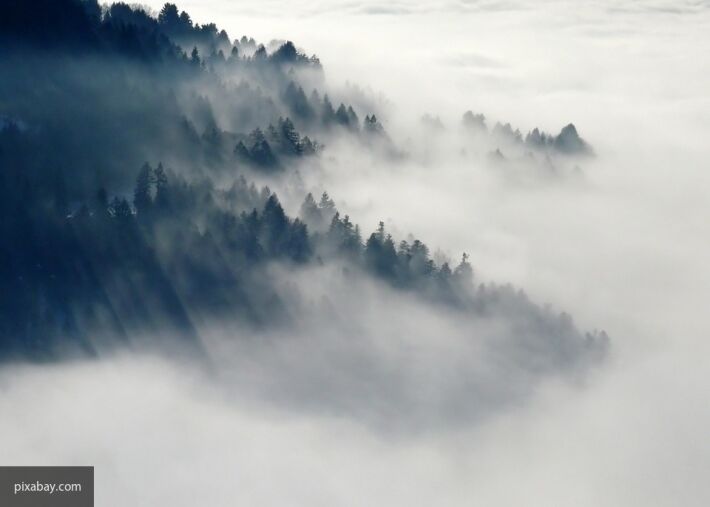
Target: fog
{"points": [[396, 407]]}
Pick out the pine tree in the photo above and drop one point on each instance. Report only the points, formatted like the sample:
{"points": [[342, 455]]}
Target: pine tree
{"points": [[195, 57], [380, 234], [327, 111], [310, 213], [474, 121], [341, 116], [161, 188], [260, 54], [297, 246], [260, 152], [373, 126], [464, 272], [353, 121], [290, 137], [326, 204], [142, 194], [275, 226], [445, 271], [241, 151], [308, 147], [168, 15], [120, 209], [380, 253]]}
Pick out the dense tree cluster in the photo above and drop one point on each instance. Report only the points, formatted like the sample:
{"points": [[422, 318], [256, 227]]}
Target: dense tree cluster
{"points": [[567, 142], [474, 121], [315, 110], [176, 251], [171, 251], [264, 150], [96, 242], [139, 87]]}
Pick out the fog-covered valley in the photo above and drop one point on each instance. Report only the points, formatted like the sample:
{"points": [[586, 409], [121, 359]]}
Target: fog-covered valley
{"points": [[195, 351]]}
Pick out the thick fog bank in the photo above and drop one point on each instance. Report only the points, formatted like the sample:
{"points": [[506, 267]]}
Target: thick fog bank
{"points": [[369, 396], [396, 363], [162, 435]]}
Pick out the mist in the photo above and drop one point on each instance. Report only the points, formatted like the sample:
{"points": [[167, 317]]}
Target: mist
{"points": [[360, 393]]}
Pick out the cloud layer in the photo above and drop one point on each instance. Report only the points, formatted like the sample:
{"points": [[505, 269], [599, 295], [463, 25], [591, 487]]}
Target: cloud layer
{"points": [[624, 247]]}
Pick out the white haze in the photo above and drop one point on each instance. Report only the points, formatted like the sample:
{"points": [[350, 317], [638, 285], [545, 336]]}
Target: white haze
{"points": [[624, 248]]}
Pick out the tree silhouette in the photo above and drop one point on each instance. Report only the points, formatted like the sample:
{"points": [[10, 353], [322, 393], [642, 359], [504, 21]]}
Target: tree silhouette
{"points": [[161, 188], [142, 194]]}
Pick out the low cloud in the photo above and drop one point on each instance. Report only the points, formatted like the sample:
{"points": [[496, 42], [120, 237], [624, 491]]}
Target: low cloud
{"points": [[371, 395]]}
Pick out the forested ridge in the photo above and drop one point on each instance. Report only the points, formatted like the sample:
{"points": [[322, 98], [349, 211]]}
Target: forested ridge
{"points": [[127, 146]]}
